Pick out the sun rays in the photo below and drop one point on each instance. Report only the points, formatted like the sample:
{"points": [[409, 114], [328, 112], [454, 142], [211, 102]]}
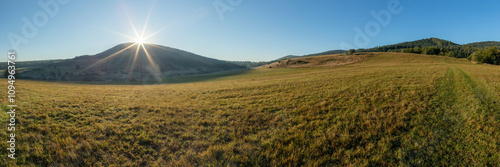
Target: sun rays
{"points": [[140, 40], [139, 49]]}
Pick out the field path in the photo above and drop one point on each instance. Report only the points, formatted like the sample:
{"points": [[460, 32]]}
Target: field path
{"points": [[462, 122]]}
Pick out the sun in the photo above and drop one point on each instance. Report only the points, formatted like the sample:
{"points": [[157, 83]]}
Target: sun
{"points": [[140, 40]]}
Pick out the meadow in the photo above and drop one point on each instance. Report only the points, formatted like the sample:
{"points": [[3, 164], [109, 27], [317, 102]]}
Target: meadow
{"points": [[393, 109]]}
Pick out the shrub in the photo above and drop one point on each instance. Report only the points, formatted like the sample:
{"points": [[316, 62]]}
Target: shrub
{"points": [[490, 55]]}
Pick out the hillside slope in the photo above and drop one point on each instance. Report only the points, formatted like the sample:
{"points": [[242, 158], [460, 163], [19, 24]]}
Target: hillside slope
{"points": [[394, 109], [321, 61], [330, 52]]}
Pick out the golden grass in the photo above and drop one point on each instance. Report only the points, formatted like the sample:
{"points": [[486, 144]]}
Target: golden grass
{"points": [[322, 61], [389, 110]]}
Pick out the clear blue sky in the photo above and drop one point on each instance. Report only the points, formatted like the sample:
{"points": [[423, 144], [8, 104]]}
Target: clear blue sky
{"points": [[255, 30]]}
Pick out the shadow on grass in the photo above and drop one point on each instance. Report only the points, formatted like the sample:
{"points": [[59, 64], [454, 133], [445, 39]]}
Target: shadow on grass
{"points": [[169, 80], [205, 77]]}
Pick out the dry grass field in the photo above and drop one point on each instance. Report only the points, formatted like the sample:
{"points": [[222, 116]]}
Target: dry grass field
{"points": [[389, 110]]}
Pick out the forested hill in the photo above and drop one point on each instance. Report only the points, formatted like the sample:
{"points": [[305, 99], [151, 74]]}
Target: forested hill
{"points": [[484, 44], [429, 42], [436, 46]]}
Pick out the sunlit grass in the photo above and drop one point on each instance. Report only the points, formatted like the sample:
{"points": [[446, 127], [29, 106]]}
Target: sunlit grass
{"points": [[392, 109]]}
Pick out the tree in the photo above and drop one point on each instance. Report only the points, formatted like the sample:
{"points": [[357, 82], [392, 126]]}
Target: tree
{"points": [[431, 51], [351, 51], [490, 55], [417, 50]]}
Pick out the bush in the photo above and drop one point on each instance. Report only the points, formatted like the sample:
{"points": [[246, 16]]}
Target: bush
{"points": [[351, 51], [490, 55]]}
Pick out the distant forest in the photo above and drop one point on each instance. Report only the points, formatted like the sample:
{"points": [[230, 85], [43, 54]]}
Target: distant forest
{"points": [[480, 52]]}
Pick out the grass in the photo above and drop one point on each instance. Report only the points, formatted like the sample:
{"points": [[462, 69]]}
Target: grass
{"points": [[321, 61], [390, 110]]}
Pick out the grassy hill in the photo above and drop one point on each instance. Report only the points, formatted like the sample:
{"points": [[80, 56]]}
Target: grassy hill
{"points": [[330, 52], [127, 62], [389, 110], [321, 61]]}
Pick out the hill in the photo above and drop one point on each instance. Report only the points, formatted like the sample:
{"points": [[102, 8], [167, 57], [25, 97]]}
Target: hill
{"points": [[429, 46], [250, 64], [321, 61], [395, 109], [430, 42], [435, 46], [330, 52], [30, 64], [484, 44], [129, 62]]}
